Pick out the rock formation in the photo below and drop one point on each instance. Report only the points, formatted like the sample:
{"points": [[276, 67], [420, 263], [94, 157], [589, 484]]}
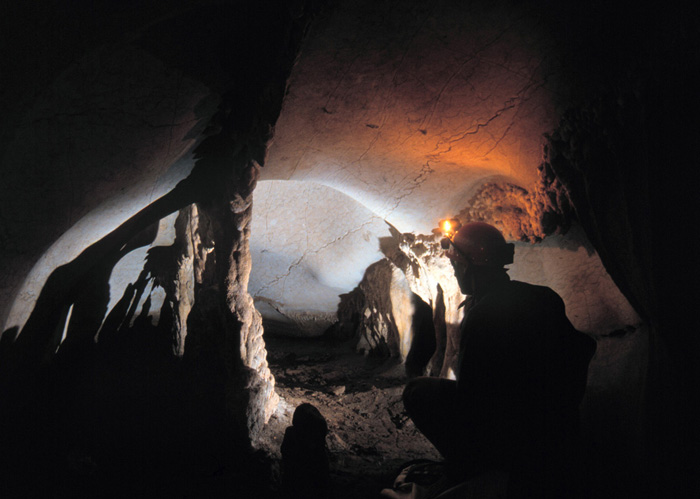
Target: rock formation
{"points": [[143, 195]]}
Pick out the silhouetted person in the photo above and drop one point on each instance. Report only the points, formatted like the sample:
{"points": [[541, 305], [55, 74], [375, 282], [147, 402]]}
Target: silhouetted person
{"points": [[521, 376], [305, 468]]}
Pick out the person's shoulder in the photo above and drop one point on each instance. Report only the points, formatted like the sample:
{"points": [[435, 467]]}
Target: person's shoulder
{"points": [[526, 292]]}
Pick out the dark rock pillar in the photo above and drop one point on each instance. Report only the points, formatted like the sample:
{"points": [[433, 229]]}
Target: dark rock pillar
{"points": [[224, 177], [224, 328], [250, 396]]}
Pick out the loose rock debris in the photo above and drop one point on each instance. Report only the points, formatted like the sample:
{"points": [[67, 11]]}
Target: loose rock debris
{"points": [[369, 434]]}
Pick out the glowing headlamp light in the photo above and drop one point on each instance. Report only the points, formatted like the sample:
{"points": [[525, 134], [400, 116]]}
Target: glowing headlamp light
{"points": [[448, 227]]}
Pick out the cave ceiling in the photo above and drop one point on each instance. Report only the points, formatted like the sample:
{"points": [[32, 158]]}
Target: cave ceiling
{"points": [[406, 112], [396, 115]]}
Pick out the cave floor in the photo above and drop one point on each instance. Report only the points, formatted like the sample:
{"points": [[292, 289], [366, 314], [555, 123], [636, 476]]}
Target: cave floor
{"points": [[369, 434]]}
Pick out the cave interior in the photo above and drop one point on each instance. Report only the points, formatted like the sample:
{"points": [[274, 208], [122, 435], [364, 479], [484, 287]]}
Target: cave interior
{"points": [[186, 182]]}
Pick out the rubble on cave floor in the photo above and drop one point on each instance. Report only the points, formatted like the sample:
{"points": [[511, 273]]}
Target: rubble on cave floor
{"points": [[369, 434]]}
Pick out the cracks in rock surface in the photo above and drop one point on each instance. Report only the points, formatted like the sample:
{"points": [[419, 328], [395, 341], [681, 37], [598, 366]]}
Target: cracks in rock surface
{"points": [[448, 81], [307, 253], [415, 183]]}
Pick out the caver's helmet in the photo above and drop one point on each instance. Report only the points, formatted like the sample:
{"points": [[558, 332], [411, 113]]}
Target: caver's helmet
{"points": [[480, 244]]}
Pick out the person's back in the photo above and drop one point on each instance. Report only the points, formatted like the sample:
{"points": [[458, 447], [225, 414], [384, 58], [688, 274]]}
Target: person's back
{"points": [[520, 380], [521, 376]]}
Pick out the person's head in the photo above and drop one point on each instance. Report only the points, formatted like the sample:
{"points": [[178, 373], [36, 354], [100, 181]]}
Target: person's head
{"points": [[478, 252]]}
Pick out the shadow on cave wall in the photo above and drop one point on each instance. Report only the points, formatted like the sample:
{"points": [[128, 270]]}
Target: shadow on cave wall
{"points": [[423, 341], [124, 415], [111, 409], [365, 317]]}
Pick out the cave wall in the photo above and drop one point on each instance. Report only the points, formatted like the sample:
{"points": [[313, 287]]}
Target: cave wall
{"points": [[101, 100], [310, 243], [130, 93], [626, 162], [100, 135], [569, 265]]}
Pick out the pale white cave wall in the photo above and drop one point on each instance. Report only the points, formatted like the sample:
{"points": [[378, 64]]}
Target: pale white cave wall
{"points": [[571, 267], [91, 228], [91, 150], [130, 266], [309, 244]]}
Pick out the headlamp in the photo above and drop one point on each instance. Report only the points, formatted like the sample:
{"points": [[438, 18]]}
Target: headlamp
{"points": [[448, 227]]}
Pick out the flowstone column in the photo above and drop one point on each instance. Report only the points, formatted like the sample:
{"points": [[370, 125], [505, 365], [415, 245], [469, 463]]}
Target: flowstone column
{"points": [[225, 334], [250, 395], [225, 220]]}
